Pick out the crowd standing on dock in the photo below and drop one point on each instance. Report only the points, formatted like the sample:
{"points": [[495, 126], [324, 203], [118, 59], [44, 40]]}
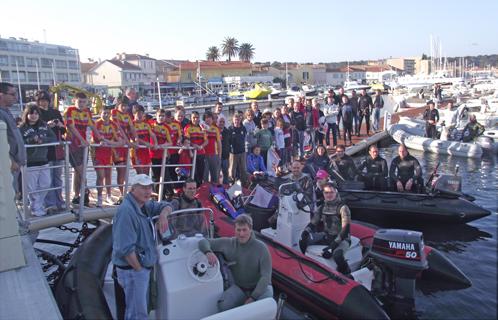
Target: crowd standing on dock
{"points": [[226, 149]]}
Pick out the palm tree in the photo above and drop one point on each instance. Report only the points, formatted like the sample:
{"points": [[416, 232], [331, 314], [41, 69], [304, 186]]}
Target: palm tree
{"points": [[230, 47], [213, 53], [246, 52]]}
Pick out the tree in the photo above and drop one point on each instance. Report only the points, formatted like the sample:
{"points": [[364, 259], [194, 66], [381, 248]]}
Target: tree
{"points": [[246, 52], [230, 47], [424, 57], [213, 53]]}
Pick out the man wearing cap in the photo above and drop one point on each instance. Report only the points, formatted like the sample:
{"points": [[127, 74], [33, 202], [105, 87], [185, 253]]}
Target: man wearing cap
{"points": [[133, 248], [336, 220]]}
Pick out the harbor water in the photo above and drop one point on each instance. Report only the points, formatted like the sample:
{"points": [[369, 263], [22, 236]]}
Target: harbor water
{"points": [[472, 247]]}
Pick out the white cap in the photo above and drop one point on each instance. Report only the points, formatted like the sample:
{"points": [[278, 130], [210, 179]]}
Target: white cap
{"points": [[141, 179]]}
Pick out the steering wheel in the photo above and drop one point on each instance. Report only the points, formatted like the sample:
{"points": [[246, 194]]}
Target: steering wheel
{"points": [[302, 202], [200, 269]]}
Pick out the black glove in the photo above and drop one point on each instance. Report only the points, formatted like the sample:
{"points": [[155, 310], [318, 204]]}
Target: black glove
{"points": [[329, 250], [305, 235]]}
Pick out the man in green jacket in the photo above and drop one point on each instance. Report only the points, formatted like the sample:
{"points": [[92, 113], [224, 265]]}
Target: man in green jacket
{"points": [[250, 264]]}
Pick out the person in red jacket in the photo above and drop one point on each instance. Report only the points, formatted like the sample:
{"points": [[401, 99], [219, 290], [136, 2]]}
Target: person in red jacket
{"points": [[198, 139], [163, 136]]}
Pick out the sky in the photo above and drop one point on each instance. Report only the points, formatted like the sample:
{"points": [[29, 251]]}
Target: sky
{"points": [[298, 31]]}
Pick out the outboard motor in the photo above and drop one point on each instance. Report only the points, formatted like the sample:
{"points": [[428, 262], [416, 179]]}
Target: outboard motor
{"points": [[397, 257], [447, 184]]}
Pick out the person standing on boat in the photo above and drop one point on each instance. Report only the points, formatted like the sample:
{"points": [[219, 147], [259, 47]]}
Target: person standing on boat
{"points": [[163, 136], [365, 105], [342, 166], [250, 264], [213, 148], [53, 118], [133, 243], [376, 174], [130, 100], [335, 217], [225, 148], [431, 117], [264, 139], [180, 117], [17, 151], [405, 172], [298, 125], [251, 129], [378, 103]]}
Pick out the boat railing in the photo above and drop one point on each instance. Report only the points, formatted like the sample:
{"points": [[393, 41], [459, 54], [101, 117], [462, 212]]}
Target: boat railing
{"points": [[81, 213]]}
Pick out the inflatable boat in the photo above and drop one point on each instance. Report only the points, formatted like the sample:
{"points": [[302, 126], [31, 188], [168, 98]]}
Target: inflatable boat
{"points": [[87, 290], [385, 263]]}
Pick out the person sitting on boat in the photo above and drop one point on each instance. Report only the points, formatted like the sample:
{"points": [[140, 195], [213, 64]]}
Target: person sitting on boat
{"points": [[319, 160], [322, 178], [335, 218], [304, 180], [255, 163], [133, 243], [431, 117], [376, 174], [472, 130], [405, 172], [342, 166], [250, 264], [187, 200]]}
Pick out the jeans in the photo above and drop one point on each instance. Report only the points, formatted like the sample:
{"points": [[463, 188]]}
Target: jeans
{"points": [[331, 127], [213, 166], [234, 297], [376, 119], [224, 169], [135, 285], [54, 197], [300, 135], [356, 121]]}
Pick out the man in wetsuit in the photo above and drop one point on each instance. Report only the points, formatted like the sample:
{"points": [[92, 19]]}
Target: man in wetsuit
{"points": [[431, 117], [375, 177], [304, 180], [336, 219], [472, 130], [342, 165], [405, 172], [188, 225]]}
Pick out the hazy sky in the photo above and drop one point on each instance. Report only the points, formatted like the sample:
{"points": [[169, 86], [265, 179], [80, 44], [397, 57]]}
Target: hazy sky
{"points": [[302, 31]]}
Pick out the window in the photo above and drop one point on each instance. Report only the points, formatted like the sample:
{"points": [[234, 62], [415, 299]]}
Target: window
{"points": [[46, 75], [74, 77], [306, 75], [61, 64], [4, 60], [72, 64], [32, 77], [61, 77], [20, 61], [189, 75], [46, 63], [32, 62], [51, 51], [22, 75], [5, 75]]}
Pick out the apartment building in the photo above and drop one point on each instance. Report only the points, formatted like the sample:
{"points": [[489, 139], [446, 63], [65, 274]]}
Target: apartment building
{"points": [[37, 65]]}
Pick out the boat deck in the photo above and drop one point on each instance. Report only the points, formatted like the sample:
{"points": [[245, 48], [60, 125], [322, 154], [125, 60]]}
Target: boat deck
{"points": [[25, 293]]}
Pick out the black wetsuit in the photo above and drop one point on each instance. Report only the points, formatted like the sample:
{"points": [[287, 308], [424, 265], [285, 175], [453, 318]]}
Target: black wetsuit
{"points": [[344, 166], [430, 129], [364, 105], [376, 176], [404, 170]]}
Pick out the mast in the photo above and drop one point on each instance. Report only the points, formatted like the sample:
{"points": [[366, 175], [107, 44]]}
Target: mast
{"points": [[19, 85], [286, 76]]}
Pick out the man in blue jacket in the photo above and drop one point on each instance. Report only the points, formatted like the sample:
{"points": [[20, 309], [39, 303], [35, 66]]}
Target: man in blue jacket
{"points": [[133, 248]]}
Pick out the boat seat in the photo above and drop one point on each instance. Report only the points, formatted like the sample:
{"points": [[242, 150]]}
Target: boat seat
{"points": [[353, 255]]}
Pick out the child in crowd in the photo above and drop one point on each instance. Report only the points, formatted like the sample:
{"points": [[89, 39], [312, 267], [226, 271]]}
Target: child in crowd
{"points": [[280, 141], [264, 138], [35, 131]]}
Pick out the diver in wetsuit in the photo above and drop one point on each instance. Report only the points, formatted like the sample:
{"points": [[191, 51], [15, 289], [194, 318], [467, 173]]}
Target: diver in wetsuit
{"points": [[405, 172], [336, 219], [375, 177], [472, 130], [343, 165]]}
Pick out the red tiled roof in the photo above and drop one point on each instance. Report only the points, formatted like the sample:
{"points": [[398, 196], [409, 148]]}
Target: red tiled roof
{"points": [[124, 65], [216, 65]]}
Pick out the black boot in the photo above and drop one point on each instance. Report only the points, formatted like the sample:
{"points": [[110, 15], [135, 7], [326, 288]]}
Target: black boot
{"points": [[342, 265]]}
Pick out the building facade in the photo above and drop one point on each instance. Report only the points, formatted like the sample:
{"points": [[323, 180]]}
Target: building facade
{"points": [[117, 76], [38, 65]]}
